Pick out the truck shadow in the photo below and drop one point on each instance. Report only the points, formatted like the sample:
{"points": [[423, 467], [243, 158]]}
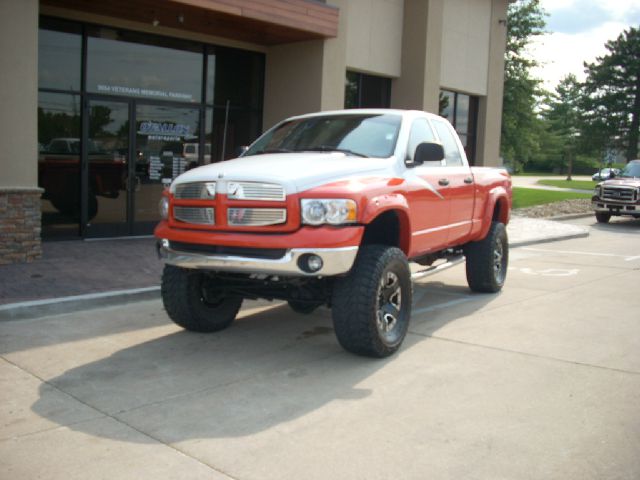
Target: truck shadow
{"points": [[269, 368]]}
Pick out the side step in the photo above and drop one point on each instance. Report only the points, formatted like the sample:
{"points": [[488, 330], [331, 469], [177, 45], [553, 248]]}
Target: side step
{"points": [[452, 262]]}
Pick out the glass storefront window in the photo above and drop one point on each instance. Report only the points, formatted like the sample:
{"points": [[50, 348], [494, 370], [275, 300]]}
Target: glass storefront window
{"points": [[147, 118], [462, 111], [129, 64], [447, 100], [367, 91], [59, 55], [239, 78], [59, 163]]}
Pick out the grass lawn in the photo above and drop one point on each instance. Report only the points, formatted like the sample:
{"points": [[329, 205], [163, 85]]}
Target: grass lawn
{"points": [[578, 184], [527, 197]]}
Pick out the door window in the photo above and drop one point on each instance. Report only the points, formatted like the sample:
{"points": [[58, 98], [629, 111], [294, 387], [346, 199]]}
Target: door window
{"points": [[451, 151], [420, 132]]}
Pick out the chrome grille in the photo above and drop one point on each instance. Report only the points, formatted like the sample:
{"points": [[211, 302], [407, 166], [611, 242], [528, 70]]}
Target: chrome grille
{"points": [[255, 191], [196, 191], [197, 215], [256, 217], [618, 194]]}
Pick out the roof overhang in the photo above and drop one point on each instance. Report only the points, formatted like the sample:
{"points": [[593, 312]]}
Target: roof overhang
{"points": [[262, 22]]}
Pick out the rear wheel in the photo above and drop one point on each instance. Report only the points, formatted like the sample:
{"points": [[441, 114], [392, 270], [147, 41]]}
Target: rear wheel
{"points": [[194, 302], [371, 306], [487, 260], [603, 217]]}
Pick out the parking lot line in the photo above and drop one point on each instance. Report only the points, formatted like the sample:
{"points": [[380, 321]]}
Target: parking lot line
{"points": [[627, 258]]}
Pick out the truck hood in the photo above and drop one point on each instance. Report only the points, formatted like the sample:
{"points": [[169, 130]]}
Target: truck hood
{"points": [[297, 172], [622, 181]]}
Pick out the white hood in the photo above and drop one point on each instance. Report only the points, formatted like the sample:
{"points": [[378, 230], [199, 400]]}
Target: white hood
{"points": [[297, 172]]}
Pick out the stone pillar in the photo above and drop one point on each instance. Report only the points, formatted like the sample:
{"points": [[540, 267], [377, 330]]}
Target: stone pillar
{"points": [[19, 194], [490, 108], [19, 225], [418, 87]]}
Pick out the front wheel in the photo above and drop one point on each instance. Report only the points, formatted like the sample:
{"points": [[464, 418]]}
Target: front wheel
{"points": [[602, 217], [371, 306], [192, 300], [487, 260]]}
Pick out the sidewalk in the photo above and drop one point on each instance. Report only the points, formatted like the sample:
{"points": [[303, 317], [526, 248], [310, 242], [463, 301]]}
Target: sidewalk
{"points": [[76, 275]]}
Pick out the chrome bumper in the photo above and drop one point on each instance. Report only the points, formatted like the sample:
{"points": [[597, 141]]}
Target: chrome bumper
{"points": [[615, 208], [335, 261]]}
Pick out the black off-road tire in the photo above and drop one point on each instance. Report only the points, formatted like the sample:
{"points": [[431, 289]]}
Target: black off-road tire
{"points": [[371, 306], [185, 300], [603, 217], [488, 260], [304, 308]]}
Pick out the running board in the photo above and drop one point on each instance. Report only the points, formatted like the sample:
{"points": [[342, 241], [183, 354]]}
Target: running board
{"points": [[452, 262]]}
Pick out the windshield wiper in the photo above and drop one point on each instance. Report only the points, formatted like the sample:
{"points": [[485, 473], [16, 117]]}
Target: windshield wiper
{"points": [[327, 148]]}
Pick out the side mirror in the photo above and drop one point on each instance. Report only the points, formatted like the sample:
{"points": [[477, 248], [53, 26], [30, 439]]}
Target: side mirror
{"points": [[612, 173], [429, 152]]}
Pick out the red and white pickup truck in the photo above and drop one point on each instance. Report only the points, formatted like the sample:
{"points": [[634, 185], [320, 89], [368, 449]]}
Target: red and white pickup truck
{"points": [[329, 209]]}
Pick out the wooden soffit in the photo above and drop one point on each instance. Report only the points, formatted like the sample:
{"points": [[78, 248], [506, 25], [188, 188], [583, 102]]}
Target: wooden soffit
{"points": [[263, 22]]}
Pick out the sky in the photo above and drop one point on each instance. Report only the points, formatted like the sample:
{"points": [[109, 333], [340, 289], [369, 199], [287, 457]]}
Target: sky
{"points": [[578, 31]]}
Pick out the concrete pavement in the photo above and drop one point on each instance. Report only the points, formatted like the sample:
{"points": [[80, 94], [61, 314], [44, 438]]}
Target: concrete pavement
{"points": [[76, 275], [539, 381]]}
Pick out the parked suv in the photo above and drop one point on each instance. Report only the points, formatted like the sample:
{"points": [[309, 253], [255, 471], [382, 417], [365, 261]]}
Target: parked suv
{"points": [[620, 195]]}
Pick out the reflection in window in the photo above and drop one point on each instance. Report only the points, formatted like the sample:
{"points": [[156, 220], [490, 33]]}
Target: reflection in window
{"points": [[451, 152], [130, 64], [420, 132], [462, 112], [59, 55], [59, 163], [367, 91]]}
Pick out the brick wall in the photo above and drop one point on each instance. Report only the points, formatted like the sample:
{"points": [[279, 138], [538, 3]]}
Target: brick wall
{"points": [[20, 225]]}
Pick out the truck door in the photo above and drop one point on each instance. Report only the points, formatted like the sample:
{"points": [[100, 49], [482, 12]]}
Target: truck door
{"points": [[426, 195], [461, 187]]}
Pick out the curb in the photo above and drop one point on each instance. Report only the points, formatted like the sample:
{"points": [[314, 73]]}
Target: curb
{"points": [[62, 305], [552, 238]]}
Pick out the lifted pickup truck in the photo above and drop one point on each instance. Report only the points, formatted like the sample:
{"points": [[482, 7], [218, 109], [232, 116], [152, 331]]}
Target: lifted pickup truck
{"points": [[328, 209], [619, 195]]}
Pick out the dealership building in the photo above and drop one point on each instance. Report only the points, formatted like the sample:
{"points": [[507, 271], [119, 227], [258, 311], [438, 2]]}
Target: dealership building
{"points": [[103, 103]]}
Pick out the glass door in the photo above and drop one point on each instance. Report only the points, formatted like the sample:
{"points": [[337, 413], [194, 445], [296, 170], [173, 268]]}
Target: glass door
{"points": [[167, 143], [106, 182]]}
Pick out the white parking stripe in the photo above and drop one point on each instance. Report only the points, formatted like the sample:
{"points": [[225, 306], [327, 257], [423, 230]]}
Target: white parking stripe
{"points": [[627, 258]]}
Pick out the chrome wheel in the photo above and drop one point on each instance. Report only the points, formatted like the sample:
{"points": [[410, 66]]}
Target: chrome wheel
{"points": [[389, 303]]}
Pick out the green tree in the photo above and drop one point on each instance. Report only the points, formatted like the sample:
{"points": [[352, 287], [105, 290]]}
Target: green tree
{"points": [[521, 125], [612, 102], [564, 119]]}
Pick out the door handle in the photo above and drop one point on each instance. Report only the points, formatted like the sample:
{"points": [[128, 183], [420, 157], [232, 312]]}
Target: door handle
{"points": [[468, 180], [443, 182]]}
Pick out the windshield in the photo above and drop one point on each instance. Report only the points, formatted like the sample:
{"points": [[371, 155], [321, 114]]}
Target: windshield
{"points": [[631, 170], [365, 135]]}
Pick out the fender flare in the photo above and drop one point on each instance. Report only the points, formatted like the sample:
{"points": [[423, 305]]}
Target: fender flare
{"points": [[393, 202], [497, 198]]}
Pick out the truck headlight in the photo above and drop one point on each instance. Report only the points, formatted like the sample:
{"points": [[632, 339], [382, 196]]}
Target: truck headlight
{"points": [[596, 191], [163, 206], [335, 211]]}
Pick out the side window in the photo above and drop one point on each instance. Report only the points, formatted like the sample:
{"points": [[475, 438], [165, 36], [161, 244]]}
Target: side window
{"points": [[452, 154], [420, 132]]}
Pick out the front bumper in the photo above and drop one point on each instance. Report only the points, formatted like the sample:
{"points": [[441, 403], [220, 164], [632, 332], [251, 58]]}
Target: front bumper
{"points": [[335, 261], [605, 206]]}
